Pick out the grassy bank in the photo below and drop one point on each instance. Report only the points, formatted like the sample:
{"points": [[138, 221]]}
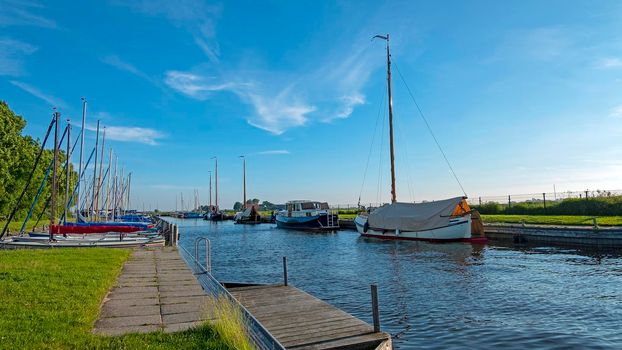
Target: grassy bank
{"points": [[554, 219], [50, 299], [539, 219]]}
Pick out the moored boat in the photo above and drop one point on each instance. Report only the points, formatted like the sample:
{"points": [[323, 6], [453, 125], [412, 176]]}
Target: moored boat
{"points": [[438, 221], [307, 215]]}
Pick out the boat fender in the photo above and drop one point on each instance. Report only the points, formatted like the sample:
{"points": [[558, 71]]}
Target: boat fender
{"points": [[366, 226]]}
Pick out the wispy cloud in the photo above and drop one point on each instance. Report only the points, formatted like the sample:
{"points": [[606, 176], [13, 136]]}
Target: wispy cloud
{"points": [[612, 62], [283, 100], [130, 134], [116, 62], [538, 44], [194, 85], [272, 152], [195, 16], [12, 53], [616, 112], [53, 101], [23, 13]]}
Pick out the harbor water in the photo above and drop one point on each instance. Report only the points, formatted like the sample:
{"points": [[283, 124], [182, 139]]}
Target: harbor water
{"points": [[451, 295]]}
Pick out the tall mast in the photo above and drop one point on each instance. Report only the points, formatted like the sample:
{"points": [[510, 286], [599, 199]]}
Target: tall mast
{"points": [[129, 188], [216, 183], [107, 204], [99, 179], [67, 172], [55, 165], [93, 208], [81, 183], [210, 190], [244, 203], [393, 192]]}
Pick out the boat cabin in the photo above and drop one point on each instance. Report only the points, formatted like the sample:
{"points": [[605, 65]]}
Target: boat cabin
{"points": [[302, 205]]}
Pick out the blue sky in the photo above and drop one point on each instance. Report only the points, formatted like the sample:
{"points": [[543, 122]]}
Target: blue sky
{"points": [[521, 95]]}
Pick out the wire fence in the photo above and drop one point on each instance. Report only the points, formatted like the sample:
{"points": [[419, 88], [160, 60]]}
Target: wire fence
{"points": [[509, 199]]}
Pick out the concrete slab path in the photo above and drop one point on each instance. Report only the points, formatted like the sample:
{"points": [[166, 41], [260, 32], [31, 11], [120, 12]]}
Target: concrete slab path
{"points": [[155, 291]]}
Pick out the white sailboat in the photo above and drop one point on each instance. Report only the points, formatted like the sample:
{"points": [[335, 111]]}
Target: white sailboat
{"points": [[443, 221]]}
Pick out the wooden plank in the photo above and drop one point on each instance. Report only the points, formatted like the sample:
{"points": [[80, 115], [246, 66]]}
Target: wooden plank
{"points": [[344, 332], [367, 341], [323, 328]]}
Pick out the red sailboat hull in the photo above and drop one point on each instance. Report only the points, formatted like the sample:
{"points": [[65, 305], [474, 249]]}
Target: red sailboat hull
{"points": [[60, 229]]}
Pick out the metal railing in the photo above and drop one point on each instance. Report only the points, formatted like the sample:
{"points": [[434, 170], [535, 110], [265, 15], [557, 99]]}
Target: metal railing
{"points": [[258, 334]]}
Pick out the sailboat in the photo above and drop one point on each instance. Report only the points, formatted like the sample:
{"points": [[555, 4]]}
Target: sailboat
{"points": [[249, 214], [442, 221], [214, 213]]}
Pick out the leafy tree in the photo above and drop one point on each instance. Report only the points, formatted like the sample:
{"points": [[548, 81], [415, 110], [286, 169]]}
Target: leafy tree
{"points": [[237, 206], [17, 157]]}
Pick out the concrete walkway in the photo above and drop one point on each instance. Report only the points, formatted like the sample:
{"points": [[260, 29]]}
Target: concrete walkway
{"points": [[155, 291]]}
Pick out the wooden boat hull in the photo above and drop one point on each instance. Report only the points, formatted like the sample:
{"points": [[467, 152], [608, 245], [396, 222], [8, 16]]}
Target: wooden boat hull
{"points": [[458, 230]]}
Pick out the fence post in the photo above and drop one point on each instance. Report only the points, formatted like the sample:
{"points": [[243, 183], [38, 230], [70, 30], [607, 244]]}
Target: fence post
{"points": [[374, 307], [544, 200], [285, 271]]}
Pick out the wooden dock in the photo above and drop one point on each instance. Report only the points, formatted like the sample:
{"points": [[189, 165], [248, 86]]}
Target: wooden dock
{"points": [[301, 321], [607, 237]]}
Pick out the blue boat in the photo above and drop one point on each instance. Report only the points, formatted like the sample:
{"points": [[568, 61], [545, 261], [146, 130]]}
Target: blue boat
{"points": [[307, 215]]}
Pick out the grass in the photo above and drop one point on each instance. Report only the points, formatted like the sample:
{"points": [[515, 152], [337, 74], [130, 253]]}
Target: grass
{"points": [[539, 219], [554, 219], [228, 324], [50, 299]]}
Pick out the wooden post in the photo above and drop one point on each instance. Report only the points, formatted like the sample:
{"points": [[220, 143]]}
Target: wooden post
{"points": [[585, 194], [374, 307], [509, 201], [285, 271], [544, 200]]}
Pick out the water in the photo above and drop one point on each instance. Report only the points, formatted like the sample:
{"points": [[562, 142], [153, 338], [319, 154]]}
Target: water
{"points": [[446, 296]]}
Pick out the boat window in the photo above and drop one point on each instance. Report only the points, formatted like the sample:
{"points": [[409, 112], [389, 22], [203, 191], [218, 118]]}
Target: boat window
{"points": [[324, 206], [308, 205]]}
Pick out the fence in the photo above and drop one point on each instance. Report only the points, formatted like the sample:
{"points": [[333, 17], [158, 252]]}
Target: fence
{"points": [[543, 197], [259, 336], [509, 199]]}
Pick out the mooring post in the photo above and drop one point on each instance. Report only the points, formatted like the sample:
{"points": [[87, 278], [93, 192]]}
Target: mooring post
{"points": [[374, 307], [594, 221], [176, 234], [285, 271]]}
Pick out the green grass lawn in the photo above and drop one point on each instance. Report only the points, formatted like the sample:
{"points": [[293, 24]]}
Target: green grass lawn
{"points": [[554, 219], [50, 299]]}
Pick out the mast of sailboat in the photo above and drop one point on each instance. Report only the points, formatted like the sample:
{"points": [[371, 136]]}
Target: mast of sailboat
{"points": [[210, 190], [393, 192], [81, 159], [244, 203], [216, 181], [54, 166], [93, 208], [107, 204], [67, 172], [99, 179]]}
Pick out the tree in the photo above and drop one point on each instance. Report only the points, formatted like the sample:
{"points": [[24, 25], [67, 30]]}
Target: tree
{"points": [[237, 206], [17, 157]]}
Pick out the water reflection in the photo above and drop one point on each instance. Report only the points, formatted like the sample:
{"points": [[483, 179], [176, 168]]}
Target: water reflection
{"points": [[450, 295]]}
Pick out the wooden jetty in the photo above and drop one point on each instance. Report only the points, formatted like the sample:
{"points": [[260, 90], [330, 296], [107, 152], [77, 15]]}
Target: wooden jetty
{"points": [[284, 317], [299, 320], [607, 237]]}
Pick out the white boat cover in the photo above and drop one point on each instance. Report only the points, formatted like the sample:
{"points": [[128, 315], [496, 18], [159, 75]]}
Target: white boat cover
{"points": [[416, 216]]}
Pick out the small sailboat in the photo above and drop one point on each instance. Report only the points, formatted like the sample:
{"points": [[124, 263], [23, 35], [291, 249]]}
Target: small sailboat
{"points": [[307, 215], [441, 221], [214, 213]]}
